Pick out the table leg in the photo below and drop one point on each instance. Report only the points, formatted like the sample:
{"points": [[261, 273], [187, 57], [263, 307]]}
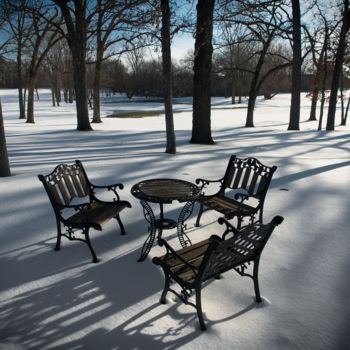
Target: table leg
{"points": [[149, 216], [184, 215], [161, 218]]}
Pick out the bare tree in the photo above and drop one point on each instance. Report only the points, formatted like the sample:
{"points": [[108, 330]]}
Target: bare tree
{"points": [[135, 57], [115, 23], [345, 76], [167, 77], [201, 123], [294, 115], [76, 21], [15, 15], [263, 21], [4, 160], [42, 39], [342, 44], [233, 47], [53, 68]]}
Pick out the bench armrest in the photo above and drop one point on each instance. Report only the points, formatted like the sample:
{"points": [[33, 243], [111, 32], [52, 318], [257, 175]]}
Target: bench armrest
{"points": [[112, 188], [241, 196], [229, 228], [170, 251], [76, 207], [204, 183]]}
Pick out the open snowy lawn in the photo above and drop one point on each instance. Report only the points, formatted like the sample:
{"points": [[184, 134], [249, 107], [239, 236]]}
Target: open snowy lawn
{"points": [[59, 300]]}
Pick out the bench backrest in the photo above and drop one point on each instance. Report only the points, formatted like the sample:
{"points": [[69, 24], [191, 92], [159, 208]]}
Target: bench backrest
{"points": [[244, 246], [248, 174], [66, 182]]}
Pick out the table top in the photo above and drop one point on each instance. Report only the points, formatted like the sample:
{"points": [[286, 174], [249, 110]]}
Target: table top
{"points": [[165, 190]]}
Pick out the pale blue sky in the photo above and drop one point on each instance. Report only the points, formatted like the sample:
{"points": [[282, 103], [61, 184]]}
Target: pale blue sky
{"points": [[181, 45]]}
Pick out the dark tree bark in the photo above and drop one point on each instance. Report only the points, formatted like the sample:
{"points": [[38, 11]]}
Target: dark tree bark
{"points": [[320, 70], [314, 100], [338, 66], [30, 101], [96, 116], [53, 97], [233, 88], [167, 78], [4, 160], [294, 116], [253, 91], [42, 39], [343, 122], [22, 113], [321, 63], [323, 85], [76, 23], [201, 124]]}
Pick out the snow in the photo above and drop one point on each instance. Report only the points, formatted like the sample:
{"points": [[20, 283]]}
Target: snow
{"points": [[60, 300]]}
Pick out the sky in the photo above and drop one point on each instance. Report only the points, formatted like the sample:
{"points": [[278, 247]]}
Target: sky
{"points": [[181, 45]]}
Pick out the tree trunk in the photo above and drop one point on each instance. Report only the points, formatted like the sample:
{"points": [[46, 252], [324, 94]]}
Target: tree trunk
{"points": [[96, 118], [53, 97], [71, 95], [201, 125], [65, 95], [22, 114], [4, 160], [233, 89], [250, 110], [30, 102], [314, 100], [342, 96], [79, 78], [57, 95], [343, 122], [253, 91], [167, 78], [321, 65], [323, 86], [338, 66], [323, 97], [76, 37], [294, 116]]}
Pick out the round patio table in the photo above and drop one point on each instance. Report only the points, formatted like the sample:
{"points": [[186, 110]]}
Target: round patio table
{"points": [[165, 191]]}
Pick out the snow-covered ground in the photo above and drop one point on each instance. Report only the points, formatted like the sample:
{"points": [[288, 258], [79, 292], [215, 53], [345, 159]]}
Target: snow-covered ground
{"points": [[60, 300]]}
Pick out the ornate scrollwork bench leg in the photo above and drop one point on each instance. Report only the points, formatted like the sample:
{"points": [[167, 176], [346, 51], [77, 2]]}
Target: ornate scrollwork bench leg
{"points": [[181, 226], [150, 218]]}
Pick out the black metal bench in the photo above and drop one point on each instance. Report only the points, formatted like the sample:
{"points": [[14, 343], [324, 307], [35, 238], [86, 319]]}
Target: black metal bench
{"points": [[191, 266], [248, 180], [68, 183]]}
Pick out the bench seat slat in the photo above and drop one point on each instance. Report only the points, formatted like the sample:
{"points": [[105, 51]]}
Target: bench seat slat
{"points": [[97, 213], [225, 205]]}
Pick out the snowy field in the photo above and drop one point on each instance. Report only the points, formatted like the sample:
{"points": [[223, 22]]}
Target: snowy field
{"points": [[60, 300]]}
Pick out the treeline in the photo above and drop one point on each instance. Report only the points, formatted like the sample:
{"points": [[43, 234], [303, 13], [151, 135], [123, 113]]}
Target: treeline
{"points": [[242, 48], [143, 79], [79, 48]]}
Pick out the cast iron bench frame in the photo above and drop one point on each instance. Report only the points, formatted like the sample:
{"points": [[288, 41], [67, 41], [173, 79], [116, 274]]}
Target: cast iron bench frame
{"points": [[250, 178], [67, 182], [193, 265]]}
